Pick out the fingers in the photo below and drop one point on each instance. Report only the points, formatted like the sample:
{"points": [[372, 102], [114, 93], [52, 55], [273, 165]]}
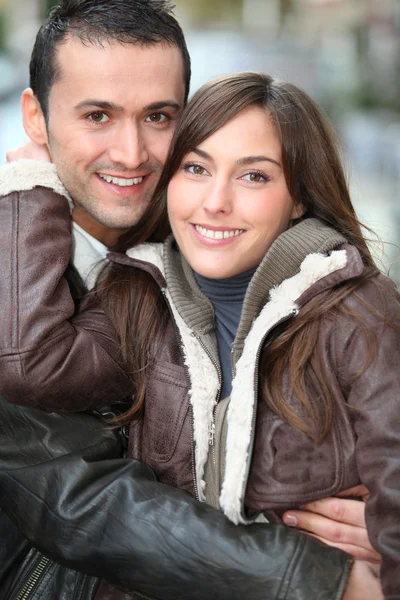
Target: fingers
{"points": [[358, 490], [360, 553], [12, 155], [351, 512], [327, 528], [29, 150], [336, 522]]}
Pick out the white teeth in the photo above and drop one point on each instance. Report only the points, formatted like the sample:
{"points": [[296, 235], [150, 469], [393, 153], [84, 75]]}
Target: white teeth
{"points": [[121, 181], [217, 235]]}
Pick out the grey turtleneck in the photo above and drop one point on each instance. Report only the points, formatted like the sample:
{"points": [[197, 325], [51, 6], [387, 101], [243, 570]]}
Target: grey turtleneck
{"points": [[282, 261], [226, 296]]}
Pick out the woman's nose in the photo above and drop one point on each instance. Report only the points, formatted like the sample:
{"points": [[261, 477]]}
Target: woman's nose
{"points": [[218, 198]]}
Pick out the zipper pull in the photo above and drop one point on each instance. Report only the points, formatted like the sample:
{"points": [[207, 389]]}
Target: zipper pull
{"points": [[211, 434]]}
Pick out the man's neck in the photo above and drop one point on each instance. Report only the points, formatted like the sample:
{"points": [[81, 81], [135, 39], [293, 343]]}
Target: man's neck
{"points": [[106, 235]]}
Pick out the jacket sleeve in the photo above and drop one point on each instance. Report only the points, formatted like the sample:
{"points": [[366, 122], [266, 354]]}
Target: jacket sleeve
{"points": [[49, 358], [374, 397], [109, 517]]}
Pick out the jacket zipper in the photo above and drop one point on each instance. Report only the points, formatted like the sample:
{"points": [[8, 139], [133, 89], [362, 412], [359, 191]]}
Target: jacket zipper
{"points": [[29, 586], [293, 313], [211, 427]]}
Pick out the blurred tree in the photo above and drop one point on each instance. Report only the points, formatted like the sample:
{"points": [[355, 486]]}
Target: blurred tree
{"points": [[286, 8], [221, 13], [2, 30], [48, 4]]}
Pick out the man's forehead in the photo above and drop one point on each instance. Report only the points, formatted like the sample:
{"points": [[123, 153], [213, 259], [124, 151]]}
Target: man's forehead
{"points": [[152, 73]]}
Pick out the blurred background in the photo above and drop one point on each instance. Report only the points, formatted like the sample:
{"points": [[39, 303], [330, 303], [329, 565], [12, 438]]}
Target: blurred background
{"points": [[345, 53]]}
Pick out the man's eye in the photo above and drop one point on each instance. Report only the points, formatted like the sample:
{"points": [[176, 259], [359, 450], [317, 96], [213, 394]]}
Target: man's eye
{"points": [[157, 117], [98, 117]]}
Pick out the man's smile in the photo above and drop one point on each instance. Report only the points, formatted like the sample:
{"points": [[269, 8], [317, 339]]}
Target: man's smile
{"points": [[121, 181]]}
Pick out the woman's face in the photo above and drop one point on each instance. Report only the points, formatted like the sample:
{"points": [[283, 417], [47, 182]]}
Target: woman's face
{"points": [[229, 201]]}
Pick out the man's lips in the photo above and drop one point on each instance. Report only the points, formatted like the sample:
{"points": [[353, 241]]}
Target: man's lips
{"points": [[121, 181]]}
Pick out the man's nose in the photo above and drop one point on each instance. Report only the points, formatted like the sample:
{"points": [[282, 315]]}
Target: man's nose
{"points": [[128, 146]]}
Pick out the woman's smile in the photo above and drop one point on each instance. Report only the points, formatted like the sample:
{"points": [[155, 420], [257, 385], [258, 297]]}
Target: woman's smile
{"points": [[208, 234], [229, 201]]}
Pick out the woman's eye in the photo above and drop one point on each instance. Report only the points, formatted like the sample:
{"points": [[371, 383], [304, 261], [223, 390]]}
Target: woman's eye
{"points": [[255, 177], [99, 117], [156, 117], [195, 169]]}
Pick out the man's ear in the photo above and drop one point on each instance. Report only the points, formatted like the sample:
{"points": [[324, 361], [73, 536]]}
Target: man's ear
{"points": [[33, 117]]}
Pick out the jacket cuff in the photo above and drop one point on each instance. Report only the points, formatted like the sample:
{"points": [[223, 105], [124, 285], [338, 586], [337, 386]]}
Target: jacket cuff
{"points": [[308, 567], [26, 174]]}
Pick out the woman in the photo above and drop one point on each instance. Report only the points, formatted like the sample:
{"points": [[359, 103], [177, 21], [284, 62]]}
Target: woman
{"points": [[281, 397]]}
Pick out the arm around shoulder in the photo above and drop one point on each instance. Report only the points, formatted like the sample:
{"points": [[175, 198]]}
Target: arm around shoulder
{"points": [[111, 518], [45, 350]]}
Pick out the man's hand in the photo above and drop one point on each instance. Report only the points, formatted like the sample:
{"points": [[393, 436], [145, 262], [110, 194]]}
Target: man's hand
{"points": [[29, 150], [363, 584], [338, 522]]}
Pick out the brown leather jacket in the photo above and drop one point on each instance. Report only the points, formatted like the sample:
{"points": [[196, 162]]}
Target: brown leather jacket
{"points": [[56, 363], [262, 463]]}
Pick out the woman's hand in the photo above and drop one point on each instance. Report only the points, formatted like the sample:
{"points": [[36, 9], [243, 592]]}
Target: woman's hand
{"points": [[338, 522], [29, 150]]}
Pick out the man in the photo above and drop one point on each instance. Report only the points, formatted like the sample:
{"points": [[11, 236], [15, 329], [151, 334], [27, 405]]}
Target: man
{"points": [[106, 110], [108, 80]]}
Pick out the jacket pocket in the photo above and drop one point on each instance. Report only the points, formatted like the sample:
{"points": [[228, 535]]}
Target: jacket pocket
{"points": [[288, 468], [166, 407], [162, 436]]}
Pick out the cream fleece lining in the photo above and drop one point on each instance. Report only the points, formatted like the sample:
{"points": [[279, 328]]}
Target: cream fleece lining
{"points": [[243, 401], [204, 378]]}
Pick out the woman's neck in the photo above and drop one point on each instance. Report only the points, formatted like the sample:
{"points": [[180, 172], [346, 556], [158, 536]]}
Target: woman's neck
{"points": [[226, 296], [227, 291]]}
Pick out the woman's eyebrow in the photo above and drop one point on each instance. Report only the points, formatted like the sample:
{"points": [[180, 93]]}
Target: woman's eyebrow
{"points": [[246, 160], [202, 154], [249, 160]]}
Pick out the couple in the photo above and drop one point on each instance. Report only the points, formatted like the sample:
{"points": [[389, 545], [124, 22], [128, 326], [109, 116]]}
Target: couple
{"points": [[269, 212]]}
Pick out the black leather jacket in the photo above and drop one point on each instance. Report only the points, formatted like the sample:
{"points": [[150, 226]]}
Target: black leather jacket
{"points": [[63, 485]]}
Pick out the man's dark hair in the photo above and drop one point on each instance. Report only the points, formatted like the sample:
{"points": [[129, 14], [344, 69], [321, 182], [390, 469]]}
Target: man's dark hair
{"points": [[143, 22]]}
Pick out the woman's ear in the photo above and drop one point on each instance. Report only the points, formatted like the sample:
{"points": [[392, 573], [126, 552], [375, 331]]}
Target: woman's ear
{"points": [[298, 211], [33, 117]]}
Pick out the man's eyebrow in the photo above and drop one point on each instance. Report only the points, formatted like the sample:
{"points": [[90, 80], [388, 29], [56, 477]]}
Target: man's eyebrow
{"points": [[249, 160], [103, 104], [246, 160], [163, 104]]}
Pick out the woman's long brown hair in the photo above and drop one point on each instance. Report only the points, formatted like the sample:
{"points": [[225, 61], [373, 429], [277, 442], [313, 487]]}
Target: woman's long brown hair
{"points": [[315, 179]]}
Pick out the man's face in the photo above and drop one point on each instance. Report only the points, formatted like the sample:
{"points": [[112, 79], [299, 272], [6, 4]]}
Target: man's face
{"points": [[112, 114]]}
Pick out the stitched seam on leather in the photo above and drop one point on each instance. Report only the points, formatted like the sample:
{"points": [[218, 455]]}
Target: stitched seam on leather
{"points": [[287, 579], [54, 458], [14, 269]]}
